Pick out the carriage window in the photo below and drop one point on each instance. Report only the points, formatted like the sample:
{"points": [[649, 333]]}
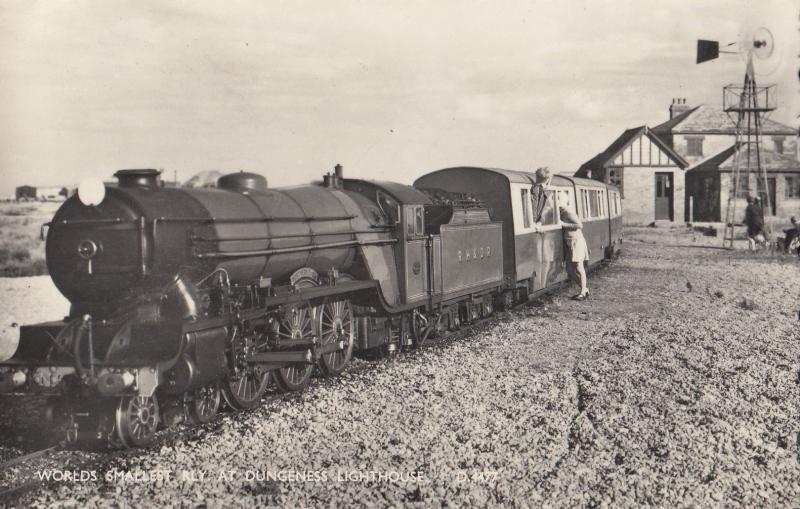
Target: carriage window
{"points": [[586, 204], [593, 212], [526, 213], [548, 214], [601, 202], [418, 223]]}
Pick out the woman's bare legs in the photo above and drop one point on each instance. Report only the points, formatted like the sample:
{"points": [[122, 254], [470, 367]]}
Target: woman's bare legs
{"points": [[582, 276], [577, 274]]}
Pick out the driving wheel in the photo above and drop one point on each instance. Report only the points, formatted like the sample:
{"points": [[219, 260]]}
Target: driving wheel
{"points": [[336, 325], [296, 325]]}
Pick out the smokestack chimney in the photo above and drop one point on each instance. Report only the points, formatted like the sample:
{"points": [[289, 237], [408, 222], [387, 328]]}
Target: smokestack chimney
{"points": [[677, 107]]}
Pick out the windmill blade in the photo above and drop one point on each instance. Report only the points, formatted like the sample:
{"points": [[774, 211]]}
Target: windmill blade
{"points": [[759, 45]]}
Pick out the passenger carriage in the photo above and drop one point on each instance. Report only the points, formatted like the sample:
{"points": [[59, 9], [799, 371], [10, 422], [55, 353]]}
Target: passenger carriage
{"points": [[533, 253]]}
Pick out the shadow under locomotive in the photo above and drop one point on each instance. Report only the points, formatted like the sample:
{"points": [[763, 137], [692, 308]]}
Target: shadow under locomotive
{"points": [[183, 298]]}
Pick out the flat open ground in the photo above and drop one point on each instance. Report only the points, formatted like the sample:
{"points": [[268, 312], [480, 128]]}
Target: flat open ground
{"points": [[649, 393]]}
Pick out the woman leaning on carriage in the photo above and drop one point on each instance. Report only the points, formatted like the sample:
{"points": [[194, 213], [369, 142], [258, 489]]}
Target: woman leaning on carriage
{"points": [[575, 250]]}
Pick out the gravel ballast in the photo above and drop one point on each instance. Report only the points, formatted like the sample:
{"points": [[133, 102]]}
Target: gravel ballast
{"points": [[654, 391]]}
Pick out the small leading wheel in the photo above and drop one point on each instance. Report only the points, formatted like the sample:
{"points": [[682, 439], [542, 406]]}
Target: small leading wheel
{"points": [[335, 325], [201, 405], [136, 420], [296, 325]]}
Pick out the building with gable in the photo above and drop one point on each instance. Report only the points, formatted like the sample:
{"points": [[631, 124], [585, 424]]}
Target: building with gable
{"points": [[649, 174], [693, 176], [706, 138]]}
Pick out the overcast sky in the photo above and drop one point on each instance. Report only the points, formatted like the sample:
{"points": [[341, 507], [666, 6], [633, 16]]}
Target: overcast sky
{"points": [[389, 89]]}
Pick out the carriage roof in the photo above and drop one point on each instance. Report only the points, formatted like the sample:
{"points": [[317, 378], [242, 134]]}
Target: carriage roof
{"points": [[524, 177]]}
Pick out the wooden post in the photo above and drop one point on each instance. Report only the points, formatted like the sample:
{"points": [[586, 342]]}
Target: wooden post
{"points": [[691, 209]]}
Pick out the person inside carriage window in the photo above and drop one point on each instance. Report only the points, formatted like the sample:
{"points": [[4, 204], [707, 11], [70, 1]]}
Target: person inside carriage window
{"points": [[541, 179], [575, 248]]}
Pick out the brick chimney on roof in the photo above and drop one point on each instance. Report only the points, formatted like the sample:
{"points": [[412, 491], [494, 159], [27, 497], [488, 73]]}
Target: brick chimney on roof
{"points": [[677, 107]]}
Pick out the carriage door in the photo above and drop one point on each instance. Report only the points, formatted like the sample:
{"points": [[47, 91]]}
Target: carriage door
{"points": [[416, 267], [663, 205]]}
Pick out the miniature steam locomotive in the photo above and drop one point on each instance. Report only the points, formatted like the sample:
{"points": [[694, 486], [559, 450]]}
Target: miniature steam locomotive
{"points": [[184, 297]]}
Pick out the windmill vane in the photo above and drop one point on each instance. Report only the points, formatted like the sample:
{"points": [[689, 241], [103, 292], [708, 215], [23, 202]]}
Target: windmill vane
{"points": [[748, 105]]}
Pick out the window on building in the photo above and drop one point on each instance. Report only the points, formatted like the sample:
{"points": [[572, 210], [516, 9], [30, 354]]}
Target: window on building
{"points": [[744, 186], [792, 186], [526, 210], [615, 178], [778, 141], [694, 146]]}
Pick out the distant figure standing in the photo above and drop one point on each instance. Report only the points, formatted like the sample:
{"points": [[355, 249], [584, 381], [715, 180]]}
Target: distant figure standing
{"points": [[753, 220], [574, 244], [790, 235], [760, 236]]}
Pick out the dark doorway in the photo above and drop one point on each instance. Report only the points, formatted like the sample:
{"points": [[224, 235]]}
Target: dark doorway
{"points": [[663, 204], [706, 198]]}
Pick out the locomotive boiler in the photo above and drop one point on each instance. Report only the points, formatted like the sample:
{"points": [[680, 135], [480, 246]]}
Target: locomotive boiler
{"points": [[103, 257], [181, 298]]}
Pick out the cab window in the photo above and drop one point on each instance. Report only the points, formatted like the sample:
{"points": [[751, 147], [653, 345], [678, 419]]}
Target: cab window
{"points": [[389, 206], [415, 223]]}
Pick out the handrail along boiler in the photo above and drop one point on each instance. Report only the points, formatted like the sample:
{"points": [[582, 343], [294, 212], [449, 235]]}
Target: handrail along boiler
{"points": [[183, 297]]}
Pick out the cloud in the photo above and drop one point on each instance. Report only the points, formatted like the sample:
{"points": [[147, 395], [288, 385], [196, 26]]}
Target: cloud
{"points": [[583, 104]]}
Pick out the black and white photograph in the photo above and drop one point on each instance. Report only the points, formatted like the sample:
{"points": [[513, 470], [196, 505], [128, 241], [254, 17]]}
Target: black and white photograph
{"points": [[393, 253]]}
